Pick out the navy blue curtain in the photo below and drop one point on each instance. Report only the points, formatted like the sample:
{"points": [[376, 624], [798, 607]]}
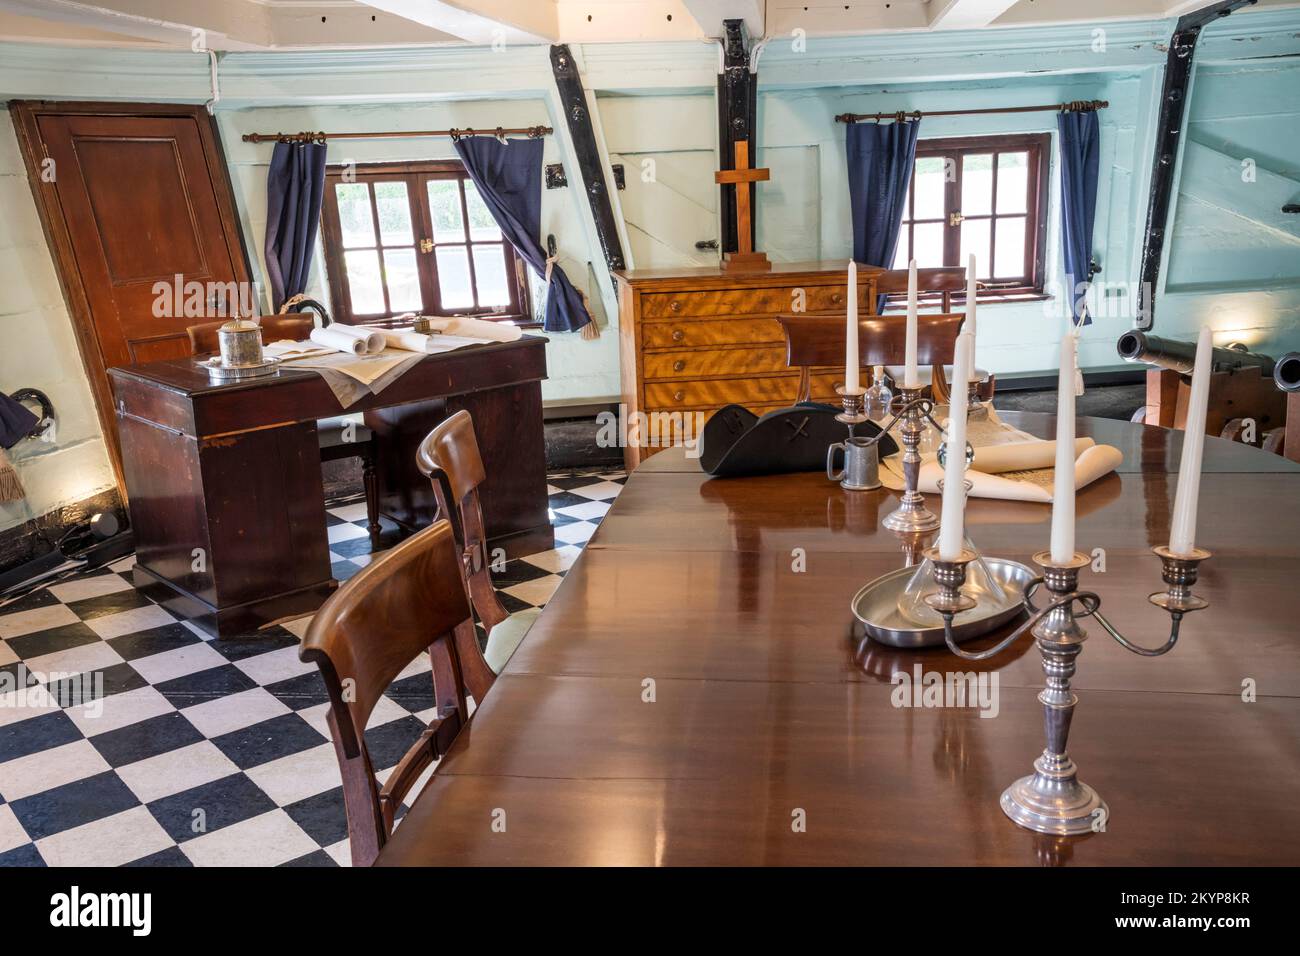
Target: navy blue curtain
{"points": [[295, 186], [1079, 161], [509, 178], [881, 157]]}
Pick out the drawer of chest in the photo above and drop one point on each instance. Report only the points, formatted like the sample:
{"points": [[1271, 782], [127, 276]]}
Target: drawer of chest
{"points": [[666, 306], [702, 363], [774, 389], [686, 335]]}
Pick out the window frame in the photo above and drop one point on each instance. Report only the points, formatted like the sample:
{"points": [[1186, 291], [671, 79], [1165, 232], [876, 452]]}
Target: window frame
{"points": [[1039, 147], [416, 176]]}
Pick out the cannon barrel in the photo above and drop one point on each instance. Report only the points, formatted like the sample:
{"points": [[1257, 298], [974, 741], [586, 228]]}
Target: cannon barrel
{"points": [[1180, 357], [1286, 373]]}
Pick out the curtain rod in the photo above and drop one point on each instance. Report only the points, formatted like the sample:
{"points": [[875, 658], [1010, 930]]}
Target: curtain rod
{"points": [[532, 132], [1074, 106]]}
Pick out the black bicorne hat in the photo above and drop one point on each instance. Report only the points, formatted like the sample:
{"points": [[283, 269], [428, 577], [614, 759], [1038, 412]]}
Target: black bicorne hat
{"points": [[736, 442]]}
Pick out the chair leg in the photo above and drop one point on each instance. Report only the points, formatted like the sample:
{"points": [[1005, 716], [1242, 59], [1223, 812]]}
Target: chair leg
{"points": [[371, 481]]}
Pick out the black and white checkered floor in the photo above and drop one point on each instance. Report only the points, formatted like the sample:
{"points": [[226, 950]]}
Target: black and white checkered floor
{"points": [[196, 751]]}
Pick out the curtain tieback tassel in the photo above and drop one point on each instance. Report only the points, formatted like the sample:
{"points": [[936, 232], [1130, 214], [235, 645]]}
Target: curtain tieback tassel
{"points": [[11, 489]]}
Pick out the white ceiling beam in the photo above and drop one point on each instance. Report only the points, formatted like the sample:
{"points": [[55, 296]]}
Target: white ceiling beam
{"points": [[966, 14], [481, 22], [709, 15], [233, 24]]}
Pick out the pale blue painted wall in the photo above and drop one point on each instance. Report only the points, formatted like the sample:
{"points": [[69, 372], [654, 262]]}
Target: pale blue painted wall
{"points": [[1234, 258]]}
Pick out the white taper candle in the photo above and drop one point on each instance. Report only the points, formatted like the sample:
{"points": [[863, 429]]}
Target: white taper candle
{"points": [[910, 377], [969, 325], [851, 359], [1182, 532], [1063, 491], [951, 534]]}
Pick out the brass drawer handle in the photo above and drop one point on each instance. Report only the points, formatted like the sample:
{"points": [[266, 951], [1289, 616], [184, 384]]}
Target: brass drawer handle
{"points": [[678, 335], [838, 298], [679, 396], [675, 306], [679, 365]]}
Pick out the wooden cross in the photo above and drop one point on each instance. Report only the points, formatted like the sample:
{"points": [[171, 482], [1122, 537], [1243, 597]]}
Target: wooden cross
{"points": [[745, 259]]}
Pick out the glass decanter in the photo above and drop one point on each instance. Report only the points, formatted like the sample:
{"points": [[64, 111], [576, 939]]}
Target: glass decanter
{"points": [[878, 397]]}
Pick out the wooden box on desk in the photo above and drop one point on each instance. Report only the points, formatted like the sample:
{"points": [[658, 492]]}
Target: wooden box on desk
{"points": [[695, 340]]}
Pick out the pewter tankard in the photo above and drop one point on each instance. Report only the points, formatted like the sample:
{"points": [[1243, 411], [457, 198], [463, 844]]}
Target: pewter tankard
{"points": [[861, 471]]}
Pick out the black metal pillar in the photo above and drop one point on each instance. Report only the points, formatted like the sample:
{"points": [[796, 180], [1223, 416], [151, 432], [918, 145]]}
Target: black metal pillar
{"points": [[573, 100], [737, 120]]}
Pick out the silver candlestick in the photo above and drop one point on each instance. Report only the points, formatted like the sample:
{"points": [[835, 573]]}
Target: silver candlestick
{"points": [[911, 516], [1053, 799]]}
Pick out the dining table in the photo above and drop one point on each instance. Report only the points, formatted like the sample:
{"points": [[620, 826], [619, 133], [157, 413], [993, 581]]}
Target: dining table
{"points": [[698, 690]]}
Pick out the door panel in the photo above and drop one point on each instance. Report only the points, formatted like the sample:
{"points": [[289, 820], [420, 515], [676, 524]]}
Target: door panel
{"points": [[132, 195], [140, 207]]}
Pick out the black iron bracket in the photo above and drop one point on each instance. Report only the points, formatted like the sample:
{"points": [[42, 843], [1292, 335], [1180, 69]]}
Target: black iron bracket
{"points": [[557, 179], [573, 101], [1169, 127], [737, 120]]}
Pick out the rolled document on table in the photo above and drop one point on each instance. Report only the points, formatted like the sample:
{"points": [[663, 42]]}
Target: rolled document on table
{"points": [[344, 338], [430, 344], [1022, 456], [472, 328]]}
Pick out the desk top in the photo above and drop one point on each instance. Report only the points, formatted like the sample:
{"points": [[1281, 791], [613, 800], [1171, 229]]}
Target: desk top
{"points": [[766, 704], [178, 394]]}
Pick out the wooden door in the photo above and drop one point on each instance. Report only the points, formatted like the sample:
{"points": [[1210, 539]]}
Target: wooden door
{"points": [[138, 210]]}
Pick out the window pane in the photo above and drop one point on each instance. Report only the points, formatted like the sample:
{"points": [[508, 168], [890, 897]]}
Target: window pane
{"points": [[453, 278], [444, 204], [403, 280], [1009, 255], [394, 214], [975, 239], [1013, 182], [977, 184], [929, 187], [364, 284], [355, 221], [490, 274], [481, 224], [929, 245], [900, 257]]}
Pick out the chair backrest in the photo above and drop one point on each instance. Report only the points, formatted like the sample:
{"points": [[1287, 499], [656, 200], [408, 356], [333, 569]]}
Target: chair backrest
{"points": [[816, 340], [450, 459], [406, 602], [295, 328], [945, 280]]}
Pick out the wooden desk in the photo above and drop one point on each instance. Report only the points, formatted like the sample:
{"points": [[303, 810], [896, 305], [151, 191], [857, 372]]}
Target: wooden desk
{"points": [[764, 702], [224, 480]]}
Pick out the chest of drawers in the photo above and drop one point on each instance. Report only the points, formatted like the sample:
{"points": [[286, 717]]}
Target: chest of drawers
{"points": [[695, 340]]}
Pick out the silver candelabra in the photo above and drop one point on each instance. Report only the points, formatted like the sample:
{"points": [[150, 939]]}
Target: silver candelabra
{"points": [[1053, 799]]}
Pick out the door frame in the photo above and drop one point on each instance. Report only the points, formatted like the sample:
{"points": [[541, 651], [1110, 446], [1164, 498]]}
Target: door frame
{"points": [[26, 114]]}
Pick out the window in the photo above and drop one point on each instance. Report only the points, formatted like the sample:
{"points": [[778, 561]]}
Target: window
{"points": [[985, 196], [417, 238]]}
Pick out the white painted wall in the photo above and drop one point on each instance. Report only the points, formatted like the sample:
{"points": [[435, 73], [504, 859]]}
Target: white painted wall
{"points": [[38, 349]]}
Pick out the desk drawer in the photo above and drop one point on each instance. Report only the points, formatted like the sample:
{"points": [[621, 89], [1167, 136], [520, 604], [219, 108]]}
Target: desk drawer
{"points": [[709, 362], [689, 335], [667, 306], [714, 393]]}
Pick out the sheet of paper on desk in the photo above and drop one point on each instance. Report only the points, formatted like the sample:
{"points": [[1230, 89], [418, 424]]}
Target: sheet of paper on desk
{"points": [[363, 368]]}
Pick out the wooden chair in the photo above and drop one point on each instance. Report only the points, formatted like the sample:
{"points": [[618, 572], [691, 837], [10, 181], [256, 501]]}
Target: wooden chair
{"points": [[945, 280], [816, 340], [339, 437], [449, 458], [408, 601]]}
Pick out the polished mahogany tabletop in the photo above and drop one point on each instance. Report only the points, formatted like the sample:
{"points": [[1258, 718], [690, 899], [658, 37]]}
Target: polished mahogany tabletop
{"points": [[689, 693]]}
